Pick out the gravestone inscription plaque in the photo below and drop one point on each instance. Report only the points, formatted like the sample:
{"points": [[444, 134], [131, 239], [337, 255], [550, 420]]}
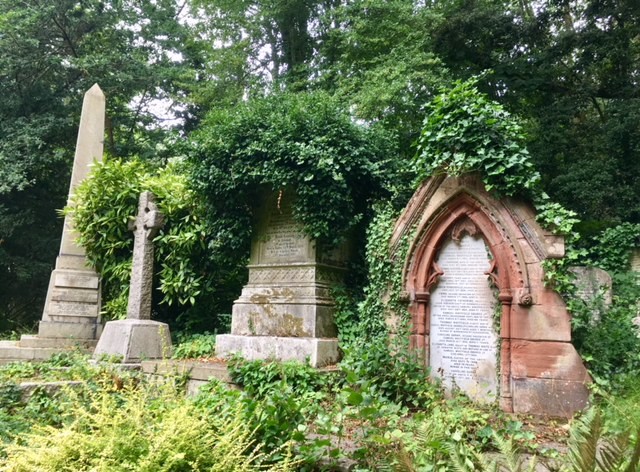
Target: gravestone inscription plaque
{"points": [[463, 339]]}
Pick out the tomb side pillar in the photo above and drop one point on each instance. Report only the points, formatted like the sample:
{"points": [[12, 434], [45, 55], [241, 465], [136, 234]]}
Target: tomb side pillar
{"points": [[506, 396]]}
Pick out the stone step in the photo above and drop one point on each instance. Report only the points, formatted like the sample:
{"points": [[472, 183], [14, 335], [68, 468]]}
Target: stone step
{"points": [[74, 295], [55, 343], [76, 279], [15, 353], [56, 308], [194, 369]]}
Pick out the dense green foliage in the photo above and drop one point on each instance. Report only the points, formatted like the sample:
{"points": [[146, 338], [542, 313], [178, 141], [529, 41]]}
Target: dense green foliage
{"points": [[119, 421], [305, 145], [186, 276], [465, 132], [142, 428], [50, 54], [613, 247], [567, 69]]}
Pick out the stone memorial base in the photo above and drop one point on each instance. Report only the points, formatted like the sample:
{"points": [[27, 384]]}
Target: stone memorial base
{"points": [[134, 340], [72, 308], [318, 352]]}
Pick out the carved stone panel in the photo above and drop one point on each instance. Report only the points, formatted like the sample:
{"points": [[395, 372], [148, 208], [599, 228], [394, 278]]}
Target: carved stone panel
{"points": [[463, 349]]}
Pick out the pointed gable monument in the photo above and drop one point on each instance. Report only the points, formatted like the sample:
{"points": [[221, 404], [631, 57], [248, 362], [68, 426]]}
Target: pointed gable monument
{"points": [[481, 313]]}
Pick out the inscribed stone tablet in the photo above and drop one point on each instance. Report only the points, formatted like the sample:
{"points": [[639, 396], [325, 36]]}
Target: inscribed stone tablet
{"points": [[284, 239], [463, 347]]}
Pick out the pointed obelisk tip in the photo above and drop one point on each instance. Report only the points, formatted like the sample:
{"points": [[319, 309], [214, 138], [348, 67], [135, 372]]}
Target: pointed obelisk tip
{"points": [[95, 90]]}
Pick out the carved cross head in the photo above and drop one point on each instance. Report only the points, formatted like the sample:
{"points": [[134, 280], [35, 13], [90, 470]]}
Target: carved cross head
{"points": [[149, 219]]}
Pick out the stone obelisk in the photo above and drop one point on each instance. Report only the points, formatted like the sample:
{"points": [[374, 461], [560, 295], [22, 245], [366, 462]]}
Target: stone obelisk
{"points": [[72, 307]]}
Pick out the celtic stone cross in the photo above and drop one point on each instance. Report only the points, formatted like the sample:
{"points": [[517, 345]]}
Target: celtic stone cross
{"points": [[145, 227]]}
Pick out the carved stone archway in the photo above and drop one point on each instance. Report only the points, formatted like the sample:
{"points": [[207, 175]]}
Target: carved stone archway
{"points": [[540, 372]]}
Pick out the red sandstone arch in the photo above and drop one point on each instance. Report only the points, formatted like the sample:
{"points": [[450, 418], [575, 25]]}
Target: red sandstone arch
{"points": [[540, 371], [463, 214]]}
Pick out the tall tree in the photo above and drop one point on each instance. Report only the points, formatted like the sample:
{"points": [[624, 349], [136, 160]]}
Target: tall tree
{"points": [[50, 53], [571, 69]]}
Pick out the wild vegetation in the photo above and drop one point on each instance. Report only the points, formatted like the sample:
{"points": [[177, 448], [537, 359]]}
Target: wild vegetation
{"points": [[325, 99]]}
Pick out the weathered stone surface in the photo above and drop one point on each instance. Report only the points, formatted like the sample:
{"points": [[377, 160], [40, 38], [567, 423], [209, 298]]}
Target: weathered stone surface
{"points": [[268, 318], [69, 329], [146, 225], [544, 323], [72, 280], [76, 279], [288, 295], [464, 343], [56, 343], [134, 340], [138, 337], [59, 294], [533, 323], [635, 260], [554, 397], [194, 369], [593, 282], [12, 351], [318, 351], [549, 360]]}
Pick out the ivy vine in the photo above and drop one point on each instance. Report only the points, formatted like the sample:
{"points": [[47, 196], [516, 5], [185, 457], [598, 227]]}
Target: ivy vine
{"points": [[304, 143]]}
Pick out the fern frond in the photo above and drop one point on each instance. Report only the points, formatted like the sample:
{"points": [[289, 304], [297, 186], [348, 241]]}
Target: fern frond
{"points": [[583, 442]]}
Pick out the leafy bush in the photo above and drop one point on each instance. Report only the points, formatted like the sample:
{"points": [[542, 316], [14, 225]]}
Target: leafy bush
{"points": [[103, 206], [143, 429], [607, 337], [465, 131], [613, 247], [396, 372], [303, 143], [262, 378], [195, 346]]}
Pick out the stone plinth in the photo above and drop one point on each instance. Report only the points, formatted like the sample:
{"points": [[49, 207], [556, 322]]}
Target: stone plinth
{"points": [[286, 310], [72, 308], [135, 340]]}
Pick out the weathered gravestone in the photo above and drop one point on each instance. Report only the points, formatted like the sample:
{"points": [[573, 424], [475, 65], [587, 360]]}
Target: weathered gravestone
{"points": [[464, 342], [72, 308], [481, 313], [286, 310], [593, 283], [635, 260], [138, 337], [71, 313]]}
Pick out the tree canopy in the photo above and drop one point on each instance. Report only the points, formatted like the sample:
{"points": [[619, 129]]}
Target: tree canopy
{"points": [[568, 70]]}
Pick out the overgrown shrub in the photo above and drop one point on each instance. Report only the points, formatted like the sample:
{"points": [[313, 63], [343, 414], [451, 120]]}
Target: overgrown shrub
{"points": [[465, 131], [143, 429], [195, 346], [187, 276], [606, 336], [304, 143]]}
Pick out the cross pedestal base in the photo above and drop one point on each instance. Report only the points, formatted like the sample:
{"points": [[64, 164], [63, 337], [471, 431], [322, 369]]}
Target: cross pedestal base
{"points": [[134, 340]]}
